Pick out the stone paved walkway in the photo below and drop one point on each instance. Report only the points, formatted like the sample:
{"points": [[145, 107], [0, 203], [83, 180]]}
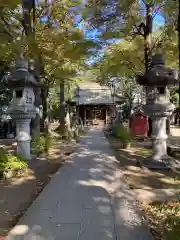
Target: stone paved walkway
{"points": [[86, 200]]}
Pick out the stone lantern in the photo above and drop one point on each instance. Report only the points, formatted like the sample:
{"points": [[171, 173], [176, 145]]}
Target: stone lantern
{"points": [[22, 108], [158, 108]]}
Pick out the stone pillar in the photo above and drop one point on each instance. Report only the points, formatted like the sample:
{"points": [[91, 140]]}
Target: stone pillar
{"points": [[159, 138], [23, 137]]}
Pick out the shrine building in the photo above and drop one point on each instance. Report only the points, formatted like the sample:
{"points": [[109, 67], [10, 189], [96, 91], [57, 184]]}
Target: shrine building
{"points": [[95, 103]]}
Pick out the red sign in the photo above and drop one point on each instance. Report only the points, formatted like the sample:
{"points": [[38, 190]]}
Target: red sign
{"points": [[139, 125]]}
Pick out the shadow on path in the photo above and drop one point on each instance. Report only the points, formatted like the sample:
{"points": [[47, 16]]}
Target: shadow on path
{"points": [[86, 199]]}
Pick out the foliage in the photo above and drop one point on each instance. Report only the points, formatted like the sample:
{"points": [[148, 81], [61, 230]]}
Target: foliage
{"points": [[112, 18], [119, 19], [53, 101], [8, 26], [59, 42], [174, 96], [166, 219], [126, 111], [42, 144], [123, 134], [10, 162], [58, 46], [121, 62], [170, 12], [169, 46], [128, 88], [64, 48], [121, 59], [124, 59]]}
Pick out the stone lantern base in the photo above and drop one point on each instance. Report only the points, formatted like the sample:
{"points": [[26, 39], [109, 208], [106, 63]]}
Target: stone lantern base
{"points": [[159, 158], [23, 138], [166, 162]]}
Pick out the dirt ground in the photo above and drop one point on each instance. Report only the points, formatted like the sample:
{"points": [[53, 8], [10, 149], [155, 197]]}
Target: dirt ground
{"points": [[17, 193], [156, 190], [139, 178]]}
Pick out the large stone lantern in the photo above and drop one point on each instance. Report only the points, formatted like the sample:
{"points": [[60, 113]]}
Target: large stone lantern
{"points": [[22, 108], [158, 108]]}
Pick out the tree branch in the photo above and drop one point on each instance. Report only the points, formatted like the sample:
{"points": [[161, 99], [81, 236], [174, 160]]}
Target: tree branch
{"points": [[159, 40], [145, 2], [137, 27], [158, 8], [7, 26]]}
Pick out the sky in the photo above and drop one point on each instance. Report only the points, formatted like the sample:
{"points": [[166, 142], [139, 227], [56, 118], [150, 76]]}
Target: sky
{"points": [[93, 34]]}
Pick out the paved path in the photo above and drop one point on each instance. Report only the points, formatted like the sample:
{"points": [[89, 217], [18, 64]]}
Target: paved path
{"points": [[85, 200]]}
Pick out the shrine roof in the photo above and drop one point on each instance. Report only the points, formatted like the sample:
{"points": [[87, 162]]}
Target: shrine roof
{"points": [[88, 93], [91, 85]]}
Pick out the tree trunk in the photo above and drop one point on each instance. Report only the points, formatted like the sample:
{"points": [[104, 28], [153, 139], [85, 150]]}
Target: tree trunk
{"points": [[148, 40], [28, 7], [36, 120], [62, 108], [45, 117], [178, 29], [148, 37], [68, 122], [36, 126]]}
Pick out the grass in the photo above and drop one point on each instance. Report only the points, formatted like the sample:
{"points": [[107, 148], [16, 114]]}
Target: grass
{"points": [[10, 162], [165, 220], [145, 152]]}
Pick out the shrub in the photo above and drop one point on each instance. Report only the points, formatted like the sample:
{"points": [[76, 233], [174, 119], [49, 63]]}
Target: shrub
{"points": [[10, 162], [48, 142], [123, 134], [42, 144]]}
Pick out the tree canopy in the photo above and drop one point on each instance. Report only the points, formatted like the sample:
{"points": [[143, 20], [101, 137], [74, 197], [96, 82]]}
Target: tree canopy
{"points": [[64, 47]]}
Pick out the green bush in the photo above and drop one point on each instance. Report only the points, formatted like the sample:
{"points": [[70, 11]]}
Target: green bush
{"points": [[123, 134], [42, 144], [48, 142], [10, 162]]}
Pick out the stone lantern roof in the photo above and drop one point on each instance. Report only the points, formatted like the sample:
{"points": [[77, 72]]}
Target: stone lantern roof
{"points": [[158, 74], [20, 76]]}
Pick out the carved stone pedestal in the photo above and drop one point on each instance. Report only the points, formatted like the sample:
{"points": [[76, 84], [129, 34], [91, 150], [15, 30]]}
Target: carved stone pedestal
{"points": [[159, 158]]}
